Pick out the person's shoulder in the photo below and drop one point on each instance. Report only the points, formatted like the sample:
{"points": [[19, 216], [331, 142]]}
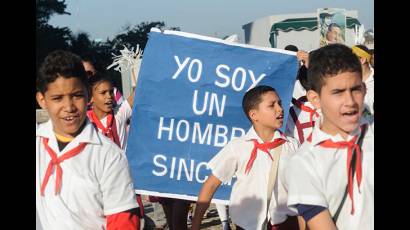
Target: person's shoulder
{"points": [[40, 126], [124, 105], [238, 142], [43, 128], [106, 147], [291, 142], [303, 158], [304, 151], [123, 108]]}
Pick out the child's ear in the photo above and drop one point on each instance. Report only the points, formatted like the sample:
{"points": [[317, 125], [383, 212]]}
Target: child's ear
{"points": [[314, 98], [362, 60], [41, 100], [253, 115]]}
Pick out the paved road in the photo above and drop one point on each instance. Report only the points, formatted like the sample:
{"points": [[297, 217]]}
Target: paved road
{"points": [[211, 222]]}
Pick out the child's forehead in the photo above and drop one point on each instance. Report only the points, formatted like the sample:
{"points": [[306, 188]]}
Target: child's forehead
{"points": [[65, 84], [269, 96], [342, 78], [341, 74], [103, 83]]}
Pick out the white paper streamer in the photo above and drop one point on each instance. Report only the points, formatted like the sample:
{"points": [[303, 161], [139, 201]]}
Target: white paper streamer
{"points": [[128, 60]]}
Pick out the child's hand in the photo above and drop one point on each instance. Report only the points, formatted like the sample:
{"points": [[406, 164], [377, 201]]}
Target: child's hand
{"points": [[146, 198], [303, 56]]}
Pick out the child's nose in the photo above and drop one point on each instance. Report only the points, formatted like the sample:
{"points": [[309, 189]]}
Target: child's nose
{"points": [[110, 95], [69, 105], [280, 109], [349, 99]]}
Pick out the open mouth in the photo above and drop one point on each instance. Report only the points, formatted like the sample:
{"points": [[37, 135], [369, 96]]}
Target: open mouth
{"points": [[280, 117], [109, 103], [351, 113], [70, 119]]}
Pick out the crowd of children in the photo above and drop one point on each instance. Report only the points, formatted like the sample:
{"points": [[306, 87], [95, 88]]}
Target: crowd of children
{"points": [[318, 174]]}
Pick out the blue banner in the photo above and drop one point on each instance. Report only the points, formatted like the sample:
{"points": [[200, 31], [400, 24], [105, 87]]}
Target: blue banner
{"points": [[188, 106]]}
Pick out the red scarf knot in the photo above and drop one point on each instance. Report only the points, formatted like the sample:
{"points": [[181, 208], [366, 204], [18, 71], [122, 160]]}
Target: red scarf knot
{"points": [[265, 147], [55, 162], [110, 130], [307, 109]]}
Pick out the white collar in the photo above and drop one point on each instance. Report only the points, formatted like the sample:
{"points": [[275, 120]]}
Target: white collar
{"points": [[251, 134], [87, 135], [319, 135]]}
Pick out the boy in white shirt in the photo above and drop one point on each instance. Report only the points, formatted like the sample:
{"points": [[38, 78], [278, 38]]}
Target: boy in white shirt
{"points": [[330, 178], [106, 117], [302, 114], [82, 178], [253, 202]]}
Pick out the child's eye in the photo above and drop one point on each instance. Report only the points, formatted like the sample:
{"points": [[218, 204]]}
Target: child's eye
{"points": [[79, 95], [56, 98]]}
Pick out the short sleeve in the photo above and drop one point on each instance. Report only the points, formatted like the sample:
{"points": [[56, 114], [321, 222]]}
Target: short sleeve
{"points": [[123, 113], [224, 163], [303, 183], [116, 183]]}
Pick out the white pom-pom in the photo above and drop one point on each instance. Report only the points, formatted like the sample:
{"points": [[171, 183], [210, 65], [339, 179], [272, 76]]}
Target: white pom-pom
{"points": [[127, 60]]}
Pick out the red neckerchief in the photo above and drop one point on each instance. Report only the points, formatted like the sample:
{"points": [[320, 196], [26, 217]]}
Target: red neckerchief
{"points": [[110, 130], [302, 106], [301, 126], [350, 145], [265, 147], [55, 161]]}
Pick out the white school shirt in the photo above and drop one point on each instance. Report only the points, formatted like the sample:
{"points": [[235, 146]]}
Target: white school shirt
{"points": [[248, 201], [369, 97], [121, 113], [95, 183], [303, 117], [298, 90], [318, 176], [38, 223]]}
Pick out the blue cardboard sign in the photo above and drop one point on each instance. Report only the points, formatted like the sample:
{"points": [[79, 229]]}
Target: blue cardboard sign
{"points": [[188, 105]]}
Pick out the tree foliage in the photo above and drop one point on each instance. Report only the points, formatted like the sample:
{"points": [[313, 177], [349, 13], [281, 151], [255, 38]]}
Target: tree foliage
{"points": [[46, 8], [50, 38], [137, 35]]}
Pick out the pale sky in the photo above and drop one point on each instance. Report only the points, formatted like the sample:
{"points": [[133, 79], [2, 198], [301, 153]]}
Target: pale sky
{"points": [[217, 18]]}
